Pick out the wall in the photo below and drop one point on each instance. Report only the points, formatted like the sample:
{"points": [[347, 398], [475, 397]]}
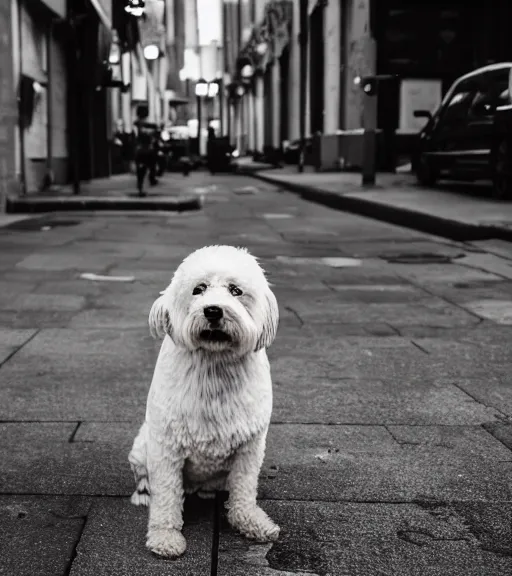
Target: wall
{"points": [[34, 64], [360, 59], [294, 78], [59, 128], [8, 112]]}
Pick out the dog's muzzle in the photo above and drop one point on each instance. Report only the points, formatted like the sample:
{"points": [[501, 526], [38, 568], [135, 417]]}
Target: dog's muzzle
{"points": [[213, 313], [214, 332]]}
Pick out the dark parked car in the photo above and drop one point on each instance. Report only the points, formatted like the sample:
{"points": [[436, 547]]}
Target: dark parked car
{"points": [[469, 137]]}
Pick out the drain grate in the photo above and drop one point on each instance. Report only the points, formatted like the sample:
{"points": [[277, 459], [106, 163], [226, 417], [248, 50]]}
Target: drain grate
{"points": [[38, 224], [419, 258]]}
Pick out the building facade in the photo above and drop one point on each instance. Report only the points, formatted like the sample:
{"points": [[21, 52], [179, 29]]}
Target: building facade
{"points": [[422, 46], [73, 74]]}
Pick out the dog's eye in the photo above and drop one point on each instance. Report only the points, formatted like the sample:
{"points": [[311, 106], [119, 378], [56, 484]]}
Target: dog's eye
{"points": [[199, 289], [235, 290]]}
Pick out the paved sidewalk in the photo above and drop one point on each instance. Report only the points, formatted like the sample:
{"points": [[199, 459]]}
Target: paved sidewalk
{"points": [[454, 210], [390, 449], [173, 193]]}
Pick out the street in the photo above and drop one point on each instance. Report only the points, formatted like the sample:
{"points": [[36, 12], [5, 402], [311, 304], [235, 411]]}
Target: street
{"points": [[390, 446]]}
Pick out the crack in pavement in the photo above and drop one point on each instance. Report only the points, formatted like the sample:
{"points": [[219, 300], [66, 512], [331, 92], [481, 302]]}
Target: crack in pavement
{"points": [[16, 350]]}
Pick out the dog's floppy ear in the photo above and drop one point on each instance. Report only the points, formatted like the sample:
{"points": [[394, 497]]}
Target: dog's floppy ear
{"points": [[270, 321], [159, 320]]}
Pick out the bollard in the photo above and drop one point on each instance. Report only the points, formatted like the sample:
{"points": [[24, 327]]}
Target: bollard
{"points": [[369, 87]]}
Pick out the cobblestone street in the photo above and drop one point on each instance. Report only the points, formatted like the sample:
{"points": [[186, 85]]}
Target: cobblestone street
{"points": [[390, 449]]}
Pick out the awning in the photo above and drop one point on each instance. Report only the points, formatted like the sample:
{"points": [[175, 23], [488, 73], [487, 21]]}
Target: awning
{"points": [[270, 37]]}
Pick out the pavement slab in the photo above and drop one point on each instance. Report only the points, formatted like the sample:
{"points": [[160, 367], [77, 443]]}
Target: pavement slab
{"points": [[304, 396], [78, 375], [113, 542], [31, 449], [366, 463], [328, 539], [38, 535]]}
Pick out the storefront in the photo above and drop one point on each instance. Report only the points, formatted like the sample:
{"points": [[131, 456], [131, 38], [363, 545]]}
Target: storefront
{"points": [[267, 56]]}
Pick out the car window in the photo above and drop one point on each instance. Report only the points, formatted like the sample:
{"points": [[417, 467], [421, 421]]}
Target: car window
{"points": [[456, 109], [493, 91]]}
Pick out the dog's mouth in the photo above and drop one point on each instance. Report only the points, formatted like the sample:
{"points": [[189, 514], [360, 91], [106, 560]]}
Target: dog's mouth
{"points": [[215, 335]]}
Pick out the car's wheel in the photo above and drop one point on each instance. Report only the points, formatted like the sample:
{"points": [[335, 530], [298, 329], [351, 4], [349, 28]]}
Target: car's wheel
{"points": [[502, 171], [425, 173]]}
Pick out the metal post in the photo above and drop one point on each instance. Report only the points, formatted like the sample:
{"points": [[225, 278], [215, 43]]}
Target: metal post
{"points": [[199, 127], [303, 40], [221, 106], [369, 139]]}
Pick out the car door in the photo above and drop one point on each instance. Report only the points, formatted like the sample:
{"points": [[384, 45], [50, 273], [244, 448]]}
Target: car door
{"points": [[448, 138], [481, 135]]}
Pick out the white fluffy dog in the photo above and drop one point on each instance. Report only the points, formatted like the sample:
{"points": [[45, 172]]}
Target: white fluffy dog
{"points": [[210, 401]]}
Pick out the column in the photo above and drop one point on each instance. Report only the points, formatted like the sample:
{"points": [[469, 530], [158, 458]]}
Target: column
{"points": [[276, 98], [332, 55], [250, 121], [259, 113], [9, 151], [237, 109], [294, 77]]}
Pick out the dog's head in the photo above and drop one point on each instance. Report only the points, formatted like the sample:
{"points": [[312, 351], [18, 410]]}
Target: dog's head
{"points": [[218, 300]]}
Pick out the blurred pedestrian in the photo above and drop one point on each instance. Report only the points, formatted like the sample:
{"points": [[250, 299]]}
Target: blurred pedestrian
{"points": [[146, 149]]}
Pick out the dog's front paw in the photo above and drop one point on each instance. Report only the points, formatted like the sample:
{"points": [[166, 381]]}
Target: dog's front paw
{"points": [[167, 543], [254, 524]]}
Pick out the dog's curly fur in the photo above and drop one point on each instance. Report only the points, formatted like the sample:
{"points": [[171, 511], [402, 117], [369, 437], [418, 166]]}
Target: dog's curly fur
{"points": [[210, 401]]}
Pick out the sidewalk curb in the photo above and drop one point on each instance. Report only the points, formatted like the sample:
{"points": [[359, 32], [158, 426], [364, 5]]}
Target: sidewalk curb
{"points": [[420, 221], [33, 205]]}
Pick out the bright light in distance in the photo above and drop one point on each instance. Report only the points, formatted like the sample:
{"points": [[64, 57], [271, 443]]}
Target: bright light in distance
{"points": [[213, 89], [202, 88], [261, 48], [357, 80], [247, 71], [151, 52]]}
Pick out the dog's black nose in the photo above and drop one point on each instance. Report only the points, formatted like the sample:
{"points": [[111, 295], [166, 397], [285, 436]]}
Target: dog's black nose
{"points": [[213, 313]]}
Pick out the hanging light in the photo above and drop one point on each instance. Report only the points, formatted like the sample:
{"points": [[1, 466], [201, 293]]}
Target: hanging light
{"points": [[247, 71], [151, 52], [135, 7], [261, 48]]}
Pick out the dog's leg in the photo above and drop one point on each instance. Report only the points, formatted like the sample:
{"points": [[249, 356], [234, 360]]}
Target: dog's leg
{"points": [[137, 459], [243, 512], [166, 506]]}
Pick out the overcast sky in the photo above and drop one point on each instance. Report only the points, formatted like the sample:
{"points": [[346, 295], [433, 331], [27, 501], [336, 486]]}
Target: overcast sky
{"points": [[209, 14]]}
